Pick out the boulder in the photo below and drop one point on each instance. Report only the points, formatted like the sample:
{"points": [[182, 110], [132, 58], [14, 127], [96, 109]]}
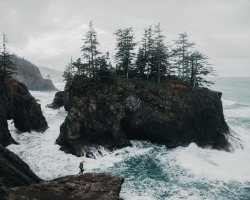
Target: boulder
{"points": [[86, 187]]}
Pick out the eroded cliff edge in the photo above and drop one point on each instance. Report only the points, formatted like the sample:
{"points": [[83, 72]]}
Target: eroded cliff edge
{"points": [[111, 115]]}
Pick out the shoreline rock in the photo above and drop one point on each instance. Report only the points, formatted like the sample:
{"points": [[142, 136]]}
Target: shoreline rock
{"points": [[13, 171], [18, 181], [18, 104]]}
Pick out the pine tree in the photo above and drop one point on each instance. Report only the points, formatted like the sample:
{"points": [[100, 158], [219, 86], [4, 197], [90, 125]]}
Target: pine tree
{"points": [[182, 52], [90, 51], [69, 72], [125, 50], [7, 67], [199, 67], [160, 54]]}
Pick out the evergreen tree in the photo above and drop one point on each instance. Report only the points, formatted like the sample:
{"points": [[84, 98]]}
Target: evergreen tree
{"points": [[7, 67], [90, 51], [182, 53], [69, 72], [199, 67], [125, 50], [140, 63], [160, 55]]}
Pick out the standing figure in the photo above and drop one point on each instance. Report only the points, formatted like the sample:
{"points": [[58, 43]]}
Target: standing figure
{"points": [[81, 168]]}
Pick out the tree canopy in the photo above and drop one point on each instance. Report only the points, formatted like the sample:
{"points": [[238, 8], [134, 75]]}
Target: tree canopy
{"points": [[156, 60]]}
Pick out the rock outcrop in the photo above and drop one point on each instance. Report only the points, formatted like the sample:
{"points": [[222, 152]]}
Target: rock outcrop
{"points": [[112, 115], [30, 75], [59, 100], [13, 171], [87, 186], [17, 103], [17, 181]]}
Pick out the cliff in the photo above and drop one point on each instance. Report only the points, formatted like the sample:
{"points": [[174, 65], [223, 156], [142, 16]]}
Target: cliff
{"points": [[30, 75], [17, 103], [112, 115]]}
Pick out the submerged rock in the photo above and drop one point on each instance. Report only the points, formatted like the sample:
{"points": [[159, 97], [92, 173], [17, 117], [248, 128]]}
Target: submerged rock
{"points": [[87, 186], [18, 104], [111, 115]]}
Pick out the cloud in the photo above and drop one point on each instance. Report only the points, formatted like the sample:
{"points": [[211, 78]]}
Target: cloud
{"points": [[49, 32]]}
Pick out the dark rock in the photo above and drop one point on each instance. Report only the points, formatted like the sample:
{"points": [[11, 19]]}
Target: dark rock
{"points": [[59, 100], [26, 112], [5, 136], [17, 103], [111, 115], [13, 171], [86, 187]]}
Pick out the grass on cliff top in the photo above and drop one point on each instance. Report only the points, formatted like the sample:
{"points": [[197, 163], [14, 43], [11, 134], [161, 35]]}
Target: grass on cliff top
{"points": [[83, 84]]}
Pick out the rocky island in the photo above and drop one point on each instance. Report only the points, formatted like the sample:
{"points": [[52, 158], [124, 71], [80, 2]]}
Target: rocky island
{"points": [[111, 115]]}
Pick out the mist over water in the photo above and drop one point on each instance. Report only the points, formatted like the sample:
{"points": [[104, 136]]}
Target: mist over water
{"points": [[152, 171]]}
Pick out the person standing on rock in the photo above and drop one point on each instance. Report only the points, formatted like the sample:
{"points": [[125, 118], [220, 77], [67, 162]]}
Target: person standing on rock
{"points": [[81, 168]]}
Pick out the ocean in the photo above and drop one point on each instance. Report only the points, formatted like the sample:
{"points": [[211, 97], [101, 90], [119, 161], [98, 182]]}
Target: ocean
{"points": [[151, 171]]}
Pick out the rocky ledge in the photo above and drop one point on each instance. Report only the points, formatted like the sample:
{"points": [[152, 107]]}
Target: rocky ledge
{"points": [[17, 181], [111, 115], [17, 103], [87, 186]]}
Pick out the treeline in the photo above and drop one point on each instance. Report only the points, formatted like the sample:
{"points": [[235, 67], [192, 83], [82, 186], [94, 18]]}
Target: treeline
{"points": [[26, 68], [7, 67], [155, 59]]}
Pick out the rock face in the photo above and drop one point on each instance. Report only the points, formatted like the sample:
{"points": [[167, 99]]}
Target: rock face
{"points": [[58, 101], [111, 115], [30, 75], [86, 187], [17, 103], [13, 171]]}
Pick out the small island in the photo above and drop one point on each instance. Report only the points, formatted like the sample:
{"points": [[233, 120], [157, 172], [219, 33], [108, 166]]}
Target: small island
{"points": [[159, 97]]}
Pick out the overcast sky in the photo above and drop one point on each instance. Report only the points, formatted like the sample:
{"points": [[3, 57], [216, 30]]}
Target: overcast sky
{"points": [[49, 32]]}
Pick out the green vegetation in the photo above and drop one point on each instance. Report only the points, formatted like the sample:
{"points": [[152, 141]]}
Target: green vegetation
{"points": [[7, 67], [155, 62]]}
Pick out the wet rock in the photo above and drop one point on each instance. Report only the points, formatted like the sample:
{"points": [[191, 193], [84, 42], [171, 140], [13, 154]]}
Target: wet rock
{"points": [[13, 171], [59, 100], [25, 111], [87, 186], [17, 103], [112, 115]]}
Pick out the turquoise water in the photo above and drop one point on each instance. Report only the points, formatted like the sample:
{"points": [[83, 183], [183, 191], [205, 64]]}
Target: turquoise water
{"points": [[153, 172]]}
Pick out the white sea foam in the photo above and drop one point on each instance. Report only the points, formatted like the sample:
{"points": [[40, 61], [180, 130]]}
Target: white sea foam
{"points": [[227, 102]]}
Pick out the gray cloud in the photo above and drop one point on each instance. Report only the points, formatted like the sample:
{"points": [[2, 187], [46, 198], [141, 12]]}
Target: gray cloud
{"points": [[49, 32]]}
